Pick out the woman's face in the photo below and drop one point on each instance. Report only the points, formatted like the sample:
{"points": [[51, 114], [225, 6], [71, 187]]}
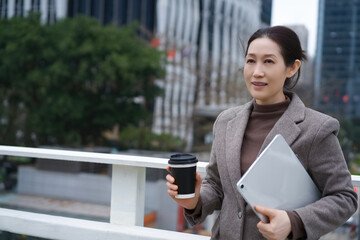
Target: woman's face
{"points": [[265, 71]]}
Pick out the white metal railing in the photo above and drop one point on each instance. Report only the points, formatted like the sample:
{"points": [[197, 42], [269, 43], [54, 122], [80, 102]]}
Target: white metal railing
{"points": [[126, 213], [356, 180], [55, 227]]}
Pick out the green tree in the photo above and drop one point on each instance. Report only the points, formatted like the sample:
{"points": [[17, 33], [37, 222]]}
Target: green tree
{"points": [[20, 60], [349, 137], [143, 138], [69, 82]]}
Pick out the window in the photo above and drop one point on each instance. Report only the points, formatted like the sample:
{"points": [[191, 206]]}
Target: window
{"points": [[35, 6], [3, 8], [51, 12], [19, 8]]}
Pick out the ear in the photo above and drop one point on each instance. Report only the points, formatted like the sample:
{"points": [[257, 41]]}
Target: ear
{"points": [[293, 69]]}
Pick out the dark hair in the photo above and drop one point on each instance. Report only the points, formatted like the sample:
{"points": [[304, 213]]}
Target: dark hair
{"points": [[289, 44]]}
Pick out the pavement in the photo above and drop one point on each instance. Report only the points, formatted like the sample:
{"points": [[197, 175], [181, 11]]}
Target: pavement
{"points": [[52, 206]]}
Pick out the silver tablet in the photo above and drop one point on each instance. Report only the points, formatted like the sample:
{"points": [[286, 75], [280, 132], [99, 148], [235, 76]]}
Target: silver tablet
{"points": [[277, 180]]}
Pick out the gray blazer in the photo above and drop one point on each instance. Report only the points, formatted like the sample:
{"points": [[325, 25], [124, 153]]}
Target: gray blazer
{"points": [[312, 136]]}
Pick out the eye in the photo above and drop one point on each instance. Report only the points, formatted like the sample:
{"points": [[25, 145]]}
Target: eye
{"points": [[268, 61], [250, 60]]}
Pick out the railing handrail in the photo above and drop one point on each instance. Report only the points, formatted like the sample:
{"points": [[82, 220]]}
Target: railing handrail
{"points": [[128, 173], [42, 225], [65, 228], [355, 180], [83, 156], [105, 158]]}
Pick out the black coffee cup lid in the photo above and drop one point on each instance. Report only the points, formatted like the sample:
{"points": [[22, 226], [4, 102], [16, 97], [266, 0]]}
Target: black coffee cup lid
{"points": [[182, 158]]}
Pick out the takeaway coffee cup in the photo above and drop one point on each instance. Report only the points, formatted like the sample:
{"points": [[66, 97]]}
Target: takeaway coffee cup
{"points": [[183, 169]]}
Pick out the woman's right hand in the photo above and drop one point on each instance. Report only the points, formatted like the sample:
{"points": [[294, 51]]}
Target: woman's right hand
{"points": [[188, 203]]}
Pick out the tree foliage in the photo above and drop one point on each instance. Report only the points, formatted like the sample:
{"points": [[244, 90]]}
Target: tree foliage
{"points": [[143, 138], [69, 82], [349, 137]]}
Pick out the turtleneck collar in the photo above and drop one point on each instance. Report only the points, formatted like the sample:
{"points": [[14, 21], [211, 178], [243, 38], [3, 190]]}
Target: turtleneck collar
{"points": [[281, 106]]}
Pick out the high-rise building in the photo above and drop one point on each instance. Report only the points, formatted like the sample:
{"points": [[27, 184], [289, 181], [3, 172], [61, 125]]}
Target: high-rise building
{"points": [[118, 12], [337, 63], [266, 8], [50, 9], [205, 41]]}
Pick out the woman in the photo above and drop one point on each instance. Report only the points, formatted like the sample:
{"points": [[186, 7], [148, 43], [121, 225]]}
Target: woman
{"points": [[272, 64]]}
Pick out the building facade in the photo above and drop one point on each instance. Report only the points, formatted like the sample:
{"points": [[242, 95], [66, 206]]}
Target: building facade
{"points": [[205, 41], [337, 63], [118, 12], [266, 10], [50, 9]]}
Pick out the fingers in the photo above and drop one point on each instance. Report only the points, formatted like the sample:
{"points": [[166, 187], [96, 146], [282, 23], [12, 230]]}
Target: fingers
{"points": [[198, 182], [172, 193], [172, 188], [279, 226], [198, 177], [265, 211], [170, 178], [262, 226], [265, 229], [168, 168]]}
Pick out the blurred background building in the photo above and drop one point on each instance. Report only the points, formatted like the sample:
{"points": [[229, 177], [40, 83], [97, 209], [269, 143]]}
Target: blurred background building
{"points": [[305, 84], [337, 79], [50, 9], [204, 41], [266, 9]]}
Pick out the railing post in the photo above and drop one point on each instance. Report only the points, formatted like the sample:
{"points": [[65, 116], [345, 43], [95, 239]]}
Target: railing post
{"points": [[127, 195]]}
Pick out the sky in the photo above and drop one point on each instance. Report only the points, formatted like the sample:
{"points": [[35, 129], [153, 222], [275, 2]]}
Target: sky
{"points": [[290, 12]]}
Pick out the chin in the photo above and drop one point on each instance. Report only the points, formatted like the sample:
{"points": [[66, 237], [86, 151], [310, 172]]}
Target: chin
{"points": [[257, 96]]}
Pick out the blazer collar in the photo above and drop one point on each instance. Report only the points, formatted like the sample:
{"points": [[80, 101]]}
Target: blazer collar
{"points": [[234, 136], [286, 126]]}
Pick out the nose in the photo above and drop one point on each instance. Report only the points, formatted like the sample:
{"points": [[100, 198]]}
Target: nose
{"points": [[258, 72]]}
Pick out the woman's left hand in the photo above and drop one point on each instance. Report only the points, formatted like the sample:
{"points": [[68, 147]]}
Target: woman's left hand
{"points": [[279, 226]]}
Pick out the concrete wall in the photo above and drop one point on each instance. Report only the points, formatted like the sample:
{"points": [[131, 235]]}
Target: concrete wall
{"points": [[95, 188], [85, 187]]}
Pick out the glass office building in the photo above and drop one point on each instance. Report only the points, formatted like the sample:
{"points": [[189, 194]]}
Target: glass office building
{"points": [[50, 9], [337, 80], [118, 12], [266, 8]]}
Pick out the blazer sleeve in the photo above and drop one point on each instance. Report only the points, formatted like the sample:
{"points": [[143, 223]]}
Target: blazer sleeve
{"points": [[327, 167], [211, 193]]}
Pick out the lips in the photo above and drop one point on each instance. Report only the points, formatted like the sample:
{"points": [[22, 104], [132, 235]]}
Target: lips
{"points": [[259, 84]]}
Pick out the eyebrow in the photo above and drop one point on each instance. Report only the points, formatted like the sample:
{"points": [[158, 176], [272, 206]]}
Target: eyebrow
{"points": [[266, 55]]}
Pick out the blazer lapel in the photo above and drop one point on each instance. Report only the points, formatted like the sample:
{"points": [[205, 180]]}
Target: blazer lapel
{"points": [[234, 136], [287, 124]]}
